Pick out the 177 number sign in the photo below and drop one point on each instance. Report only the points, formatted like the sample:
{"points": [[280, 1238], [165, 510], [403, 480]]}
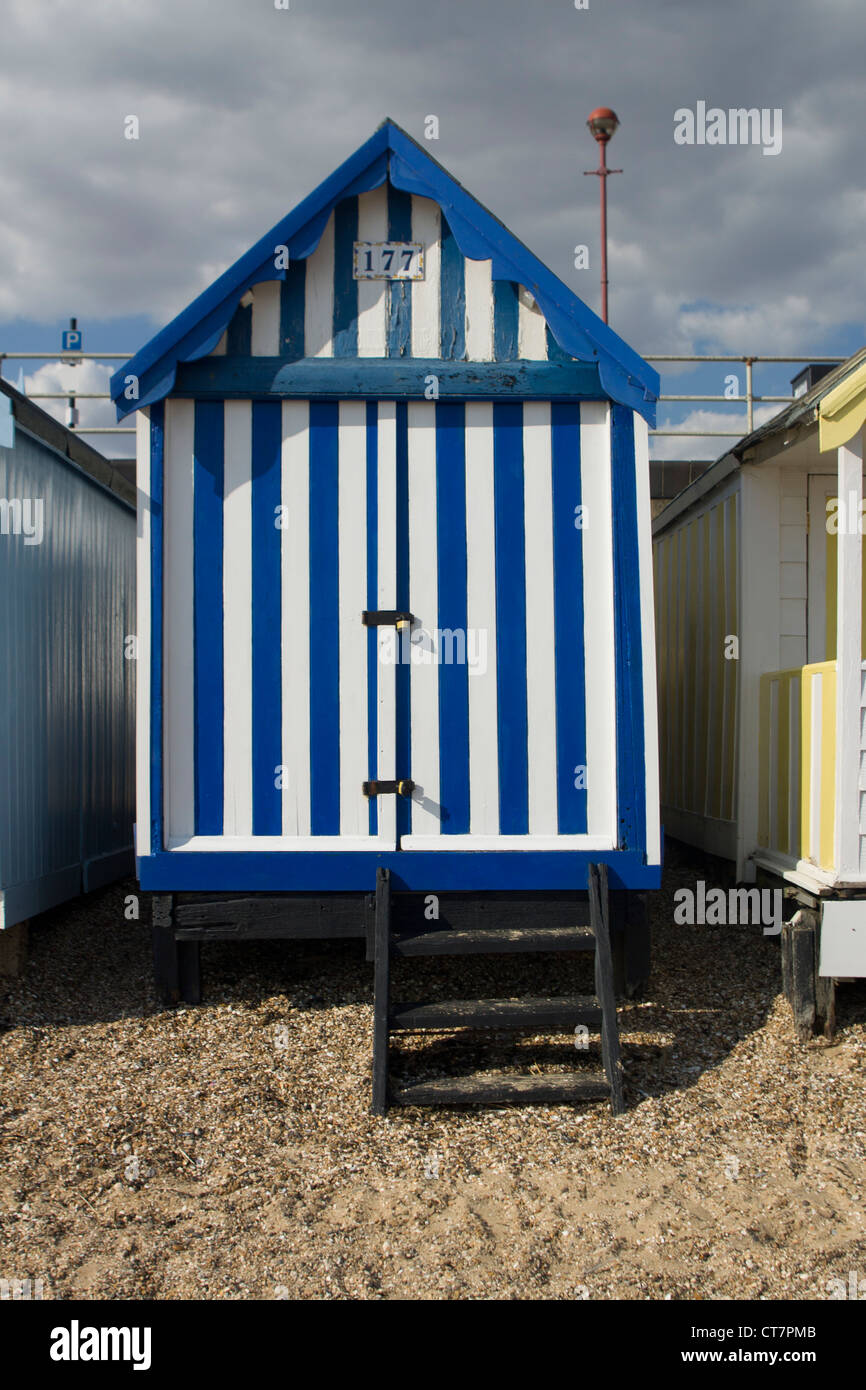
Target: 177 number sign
{"points": [[388, 260]]}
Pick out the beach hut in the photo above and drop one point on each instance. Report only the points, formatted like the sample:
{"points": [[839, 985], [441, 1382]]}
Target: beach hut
{"points": [[394, 583], [67, 682], [762, 694]]}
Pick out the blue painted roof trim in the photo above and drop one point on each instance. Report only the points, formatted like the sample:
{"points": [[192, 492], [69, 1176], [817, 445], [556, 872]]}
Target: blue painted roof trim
{"points": [[625, 377]]}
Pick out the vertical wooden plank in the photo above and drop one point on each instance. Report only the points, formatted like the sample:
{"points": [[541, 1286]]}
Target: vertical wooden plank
{"points": [[295, 617], [381, 991], [143, 633], [386, 673], [540, 626], [237, 627], [266, 318], [479, 311], [848, 660], [648, 641], [481, 617], [829, 791], [319, 299], [354, 809], [426, 293], [455, 651], [598, 900], [373, 294], [266, 692], [531, 328], [179, 731], [424, 604]]}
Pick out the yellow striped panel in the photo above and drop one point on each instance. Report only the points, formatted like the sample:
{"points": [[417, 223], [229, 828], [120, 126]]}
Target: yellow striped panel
{"points": [[806, 847], [828, 765]]}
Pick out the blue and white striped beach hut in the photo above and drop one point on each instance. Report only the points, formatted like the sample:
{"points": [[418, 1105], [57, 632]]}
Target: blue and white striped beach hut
{"points": [[390, 407]]}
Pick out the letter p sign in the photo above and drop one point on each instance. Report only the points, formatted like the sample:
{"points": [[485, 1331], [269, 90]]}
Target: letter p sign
{"points": [[71, 340]]}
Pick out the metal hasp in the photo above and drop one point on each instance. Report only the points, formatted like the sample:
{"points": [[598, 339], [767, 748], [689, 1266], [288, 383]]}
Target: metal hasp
{"points": [[386, 617], [404, 787]]}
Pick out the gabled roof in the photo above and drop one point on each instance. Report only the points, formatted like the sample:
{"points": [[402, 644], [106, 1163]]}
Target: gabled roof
{"points": [[391, 153]]}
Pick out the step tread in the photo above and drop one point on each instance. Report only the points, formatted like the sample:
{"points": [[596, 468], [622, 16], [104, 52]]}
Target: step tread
{"points": [[500, 1088], [548, 1012], [492, 940]]}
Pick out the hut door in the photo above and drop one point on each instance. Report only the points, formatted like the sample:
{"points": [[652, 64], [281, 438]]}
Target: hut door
{"points": [[279, 531], [505, 684]]}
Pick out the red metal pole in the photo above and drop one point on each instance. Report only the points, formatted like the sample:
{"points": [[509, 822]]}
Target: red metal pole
{"points": [[602, 145]]}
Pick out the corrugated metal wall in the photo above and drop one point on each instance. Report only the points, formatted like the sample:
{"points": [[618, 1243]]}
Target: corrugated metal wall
{"points": [[66, 689], [696, 582]]}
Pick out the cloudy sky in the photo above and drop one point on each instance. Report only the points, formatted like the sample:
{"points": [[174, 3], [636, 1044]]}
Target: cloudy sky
{"points": [[243, 108]]}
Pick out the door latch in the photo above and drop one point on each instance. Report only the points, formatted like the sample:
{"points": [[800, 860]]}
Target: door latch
{"points": [[386, 617], [404, 787]]}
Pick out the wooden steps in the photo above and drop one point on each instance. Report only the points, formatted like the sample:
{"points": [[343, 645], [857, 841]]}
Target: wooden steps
{"points": [[542, 1015], [492, 941], [545, 1014], [503, 1088]]}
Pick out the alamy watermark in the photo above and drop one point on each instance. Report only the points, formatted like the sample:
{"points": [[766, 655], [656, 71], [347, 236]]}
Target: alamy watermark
{"points": [[738, 125], [738, 907], [23, 516], [443, 646]]}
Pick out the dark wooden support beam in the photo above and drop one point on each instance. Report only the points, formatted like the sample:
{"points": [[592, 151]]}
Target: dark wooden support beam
{"points": [[381, 990]]}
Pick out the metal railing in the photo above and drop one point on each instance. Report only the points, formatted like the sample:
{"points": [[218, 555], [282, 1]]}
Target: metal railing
{"points": [[748, 398]]}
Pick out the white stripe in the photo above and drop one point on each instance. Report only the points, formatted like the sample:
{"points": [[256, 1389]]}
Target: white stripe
{"points": [[265, 334], [143, 634], [295, 583], [352, 486], [598, 621], [531, 328], [540, 630], [319, 297], [426, 228], [373, 294], [481, 617], [387, 580], [423, 585], [178, 673], [237, 621], [479, 311], [648, 650]]}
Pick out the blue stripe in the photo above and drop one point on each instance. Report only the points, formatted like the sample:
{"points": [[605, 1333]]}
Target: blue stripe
{"points": [[372, 601], [157, 459], [554, 352], [345, 284], [266, 618], [504, 320], [451, 562], [569, 656], [208, 491], [292, 301], [403, 599], [510, 569], [630, 748], [239, 335], [324, 620], [439, 871], [452, 309], [400, 316]]}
